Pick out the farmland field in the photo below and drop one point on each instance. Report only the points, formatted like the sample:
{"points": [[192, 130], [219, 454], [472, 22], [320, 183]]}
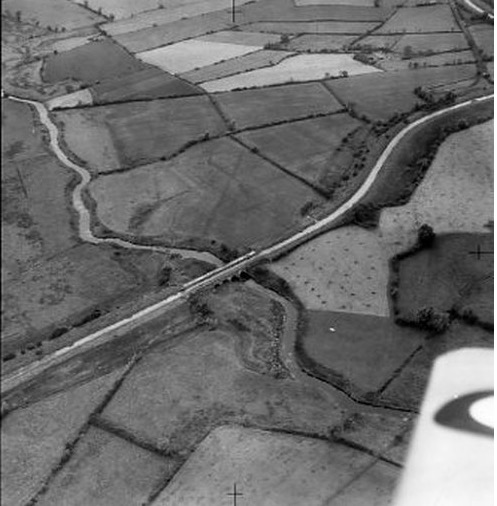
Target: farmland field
{"points": [[432, 42], [304, 67], [274, 468], [306, 148], [54, 13], [258, 107], [238, 65], [192, 54], [484, 38], [379, 41], [430, 18], [436, 60], [107, 470], [316, 43], [153, 37], [352, 3], [34, 438], [148, 83], [243, 38], [217, 190], [460, 178], [380, 95], [121, 8], [315, 27], [90, 63], [446, 276], [342, 270], [81, 97], [139, 132], [362, 353]]}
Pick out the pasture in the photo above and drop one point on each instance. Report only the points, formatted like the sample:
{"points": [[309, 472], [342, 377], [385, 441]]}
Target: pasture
{"points": [[300, 68], [272, 468], [139, 132], [432, 42], [119, 9], [216, 191], [484, 38], [351, 3], [91, 63], [78, 98], [425, 19], [240, 37], [460, 178], [317, 43], [379, 95], [34, 438], [378, 42], [59, 14], [245, 63], [361, 354], [306, 148], [192, 54], [312, 27], [342, 270], [148, 83], [265, 106], [436, 60]]}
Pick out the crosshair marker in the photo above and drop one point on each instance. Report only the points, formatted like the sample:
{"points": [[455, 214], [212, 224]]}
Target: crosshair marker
{"points": [[479, 252], [234, 494]]}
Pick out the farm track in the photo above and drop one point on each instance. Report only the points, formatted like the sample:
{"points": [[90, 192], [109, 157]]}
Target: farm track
{"points": [[213, 277]]}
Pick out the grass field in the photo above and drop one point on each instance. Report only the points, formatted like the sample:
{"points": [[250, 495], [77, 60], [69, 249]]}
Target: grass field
{"points": [[306, 148], [139, 132], [271, 468], [304, 67], [240, 37], [149, 83], [380, 95], [193, 54], [152, 37], [317, 43], [446, 276], [312, 27], [121, 8], [217, 190], [342, 270], [378, 41], [435, 42], [54, 13], [431, 18], [408, 389], [107, 470], [34, 438], [238, 65], [362, 353], [207, 386], [91, 63], [484, 38], [352, 3], [81, 97], [460, 178], [258, 107], [436, 60]]}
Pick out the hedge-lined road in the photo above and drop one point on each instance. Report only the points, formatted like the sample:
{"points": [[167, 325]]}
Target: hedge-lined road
{"points": [[213, 277]]}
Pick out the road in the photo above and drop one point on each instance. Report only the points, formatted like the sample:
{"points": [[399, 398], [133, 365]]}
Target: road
{"points": [[213, 277], [477, 9]]}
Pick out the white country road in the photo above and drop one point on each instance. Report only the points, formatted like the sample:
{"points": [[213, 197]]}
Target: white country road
{"points": [[215, 276]]}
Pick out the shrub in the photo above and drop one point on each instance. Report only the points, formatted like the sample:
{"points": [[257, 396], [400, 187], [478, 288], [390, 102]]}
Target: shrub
{"points": [[430, 318], [426, 236]]}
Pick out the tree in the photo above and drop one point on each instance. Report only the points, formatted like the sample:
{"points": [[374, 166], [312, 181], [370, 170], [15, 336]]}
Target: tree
{"points": [[285, 39], [18, 16], [430, 318], [407, 52], [426, 236], [344, 73]]}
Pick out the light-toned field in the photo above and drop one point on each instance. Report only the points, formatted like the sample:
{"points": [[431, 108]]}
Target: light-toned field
{"points": [[152, 37], [436, 42], [192, 54], [436, 60], [176, 395], [484, 38], [72, 43], [343, 270], [379, 41], [138, 132], [54, 13], [307, 147], [34, 438], [382, 94], [121, 8], [313, 27], [243, 38], [217, 190], [456, 194], [316, 43], [106, 470], [258, 107], [272, 468], [238, 65], [351, 3], [81, 97], [305, 67], [430, 18]]}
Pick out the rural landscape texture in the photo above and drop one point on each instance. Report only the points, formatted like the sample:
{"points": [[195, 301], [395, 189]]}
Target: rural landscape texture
{"points": [[236, 236]]}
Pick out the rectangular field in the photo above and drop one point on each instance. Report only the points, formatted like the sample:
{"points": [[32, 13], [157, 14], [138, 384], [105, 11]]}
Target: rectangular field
{"points": [[258, 107], [379, 41], [121, 8], [380, 95], [217, 190], [430, 18], [351, 3], [436, 60], [307, 147], [251, 61], [484, 38], [192, 54], [243, 38], [432, 42], [303, 67], [312, 27], [317, 43]]}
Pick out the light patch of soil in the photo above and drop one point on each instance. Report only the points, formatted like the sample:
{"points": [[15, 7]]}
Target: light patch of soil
{"points": [[271, 468]]}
